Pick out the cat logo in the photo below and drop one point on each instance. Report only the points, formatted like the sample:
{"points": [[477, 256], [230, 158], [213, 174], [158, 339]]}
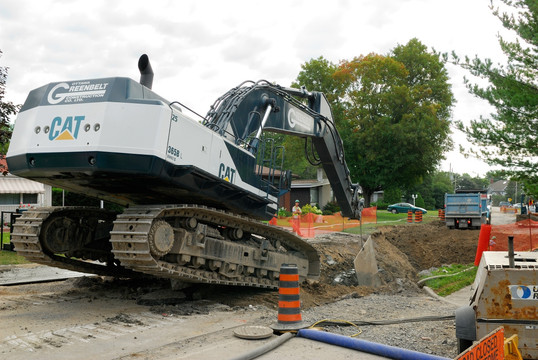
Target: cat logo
{"points": [[65, 129], [226, 173]]}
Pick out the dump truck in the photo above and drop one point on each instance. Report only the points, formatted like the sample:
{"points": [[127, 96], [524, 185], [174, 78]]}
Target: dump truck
{"points": [[466, 209]]}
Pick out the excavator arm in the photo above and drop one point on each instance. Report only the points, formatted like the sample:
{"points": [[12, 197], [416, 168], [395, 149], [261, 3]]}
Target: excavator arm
{"points": [[244, 112]]}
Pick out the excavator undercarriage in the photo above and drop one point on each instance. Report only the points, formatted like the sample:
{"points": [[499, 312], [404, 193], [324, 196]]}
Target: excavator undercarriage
{"points": [[186, 243]]}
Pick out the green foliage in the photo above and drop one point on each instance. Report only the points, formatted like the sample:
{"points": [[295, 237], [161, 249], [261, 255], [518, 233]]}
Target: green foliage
{"points": [[425, 189], [447, 285], [466, 182], [419, 201], [441, 185], [295, 159], [392, 195], [381, 205], [10, 257], [397, 116], [307, 209], [508, 137], [496, 199], [331, 208], [315, 75], [282, 212], [7, 108]]}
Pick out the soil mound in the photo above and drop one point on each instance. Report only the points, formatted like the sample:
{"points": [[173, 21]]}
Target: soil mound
{"points": [[433, 244], [401, 252]]}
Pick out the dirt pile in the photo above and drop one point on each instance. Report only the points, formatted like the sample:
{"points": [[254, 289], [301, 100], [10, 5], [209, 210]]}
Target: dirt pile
{"points": [[401, 252], [433, 244]]}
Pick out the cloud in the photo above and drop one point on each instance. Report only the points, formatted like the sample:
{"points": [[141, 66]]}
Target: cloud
{"points": [[200, 49]]}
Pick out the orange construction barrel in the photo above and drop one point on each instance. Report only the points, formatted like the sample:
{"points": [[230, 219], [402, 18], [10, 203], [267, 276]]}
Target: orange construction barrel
{"points": [[289, 302]]}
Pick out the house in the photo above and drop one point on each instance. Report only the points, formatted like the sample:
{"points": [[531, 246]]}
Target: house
{"points": [[498, 187], [315, 192], [377, 196], [17, 192]]}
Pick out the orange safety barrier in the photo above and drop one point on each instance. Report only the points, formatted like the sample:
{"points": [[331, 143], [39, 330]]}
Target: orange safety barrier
{"points": [[296, 225], [310, 225], [525, 235], [508, 209], [418, 216], [369, 215], [409, 216], [483, 242]]}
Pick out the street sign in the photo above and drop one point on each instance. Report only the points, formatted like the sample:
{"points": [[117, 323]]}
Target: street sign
{"points": [[491, 347]]}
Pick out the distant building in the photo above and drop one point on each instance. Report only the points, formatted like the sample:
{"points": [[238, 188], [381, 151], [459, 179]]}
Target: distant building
{"points": [[315, 192], [17, 192], [498, 187]]}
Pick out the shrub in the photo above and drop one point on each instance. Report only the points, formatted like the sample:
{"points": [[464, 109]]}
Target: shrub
{"points": [[282, 212], [331, 208], [419, 201], [380, 205], [310, 209]]}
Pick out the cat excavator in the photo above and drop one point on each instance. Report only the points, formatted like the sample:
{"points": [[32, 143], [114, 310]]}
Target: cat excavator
{"points": [[194, 190]]}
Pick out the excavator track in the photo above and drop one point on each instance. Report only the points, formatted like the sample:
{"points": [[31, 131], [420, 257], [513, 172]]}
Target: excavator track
{"points": [[26, 240], [241, 265], [188, 243]]}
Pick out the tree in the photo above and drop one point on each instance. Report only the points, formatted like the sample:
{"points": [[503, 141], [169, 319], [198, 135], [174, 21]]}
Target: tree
{"points": [[442, 185], [419, 201], [509, 136], [392, 195], [7, 108], [397, 115], [425, 190], [466, 182]]}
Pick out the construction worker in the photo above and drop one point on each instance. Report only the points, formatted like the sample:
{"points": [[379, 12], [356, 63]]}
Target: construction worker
{"points": [[296, 221], [296, 210]]}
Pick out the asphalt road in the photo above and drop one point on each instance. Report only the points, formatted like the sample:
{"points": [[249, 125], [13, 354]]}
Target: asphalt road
{"points": [[501, 218]]}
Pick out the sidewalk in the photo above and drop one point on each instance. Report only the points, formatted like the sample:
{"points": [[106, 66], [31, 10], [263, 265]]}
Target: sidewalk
{"points": [[458, 298]]}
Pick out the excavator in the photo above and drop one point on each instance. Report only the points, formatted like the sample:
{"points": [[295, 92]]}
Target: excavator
{"points": [[195, 190]]}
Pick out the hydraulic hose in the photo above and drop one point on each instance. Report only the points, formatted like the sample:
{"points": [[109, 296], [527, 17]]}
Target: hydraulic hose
{"points": [[442, 276], [366, 346], [273, 344]]}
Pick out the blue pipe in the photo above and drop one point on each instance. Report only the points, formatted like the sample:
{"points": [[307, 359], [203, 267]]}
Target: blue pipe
{"points": [[391, 352]]}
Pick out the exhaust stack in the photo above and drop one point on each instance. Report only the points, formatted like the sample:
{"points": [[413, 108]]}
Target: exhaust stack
{"points": [[146, 72]]}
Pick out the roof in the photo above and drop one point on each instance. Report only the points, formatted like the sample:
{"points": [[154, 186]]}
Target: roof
{"points": [[498, 186], [296, 184], [11, 184]]}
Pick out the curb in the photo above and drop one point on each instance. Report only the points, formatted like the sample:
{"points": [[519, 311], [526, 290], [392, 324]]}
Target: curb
{"points": [[432, 293]]}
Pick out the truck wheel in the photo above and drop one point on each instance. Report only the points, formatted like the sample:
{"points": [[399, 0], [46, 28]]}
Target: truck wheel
{"points": [[464, 344], [465, 327], [394, 211]]}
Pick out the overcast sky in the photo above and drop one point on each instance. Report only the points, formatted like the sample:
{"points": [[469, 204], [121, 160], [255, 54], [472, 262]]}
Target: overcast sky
{"points": [[200, 49]]}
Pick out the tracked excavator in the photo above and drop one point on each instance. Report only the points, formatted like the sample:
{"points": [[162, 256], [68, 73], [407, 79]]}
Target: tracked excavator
{"points": [[195, 191]]}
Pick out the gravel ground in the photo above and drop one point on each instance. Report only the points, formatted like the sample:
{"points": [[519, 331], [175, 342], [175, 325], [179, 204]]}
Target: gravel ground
{"points": [[431, 337], [401, 253]]}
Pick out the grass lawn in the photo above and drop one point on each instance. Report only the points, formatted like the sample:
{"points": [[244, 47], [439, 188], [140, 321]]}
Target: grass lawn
{"points": [[465, 275], [385, 218], [10, 257]]}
